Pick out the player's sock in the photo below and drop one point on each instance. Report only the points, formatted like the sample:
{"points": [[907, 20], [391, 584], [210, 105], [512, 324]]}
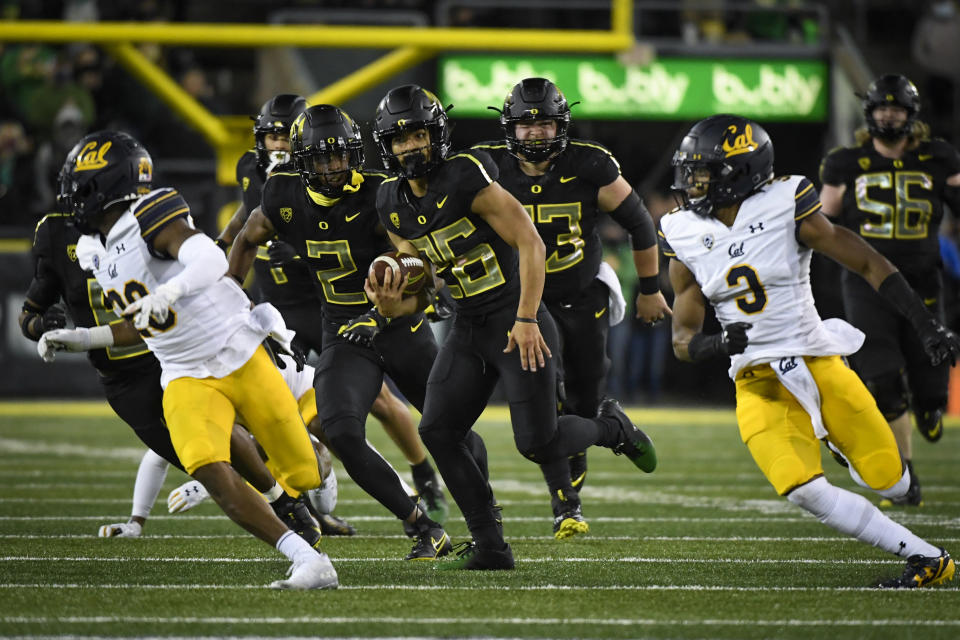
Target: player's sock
{"points": [[294, 547], [150, 476]]}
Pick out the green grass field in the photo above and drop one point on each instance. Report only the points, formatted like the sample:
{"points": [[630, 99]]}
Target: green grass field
{"points": [[702, 548]]}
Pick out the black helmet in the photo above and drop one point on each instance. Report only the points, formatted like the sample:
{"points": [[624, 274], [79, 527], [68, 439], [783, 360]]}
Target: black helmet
{"points": [[408, 108], [104, 168], [320, 132], [737, 153], [276, 116], [895, 90], [535, 99]]}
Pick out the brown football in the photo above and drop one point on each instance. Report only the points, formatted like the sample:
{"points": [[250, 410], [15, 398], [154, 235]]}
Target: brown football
{"points": [[402, 264]]}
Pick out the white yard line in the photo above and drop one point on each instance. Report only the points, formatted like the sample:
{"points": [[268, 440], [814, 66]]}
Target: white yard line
{"points": [[630, 560]]}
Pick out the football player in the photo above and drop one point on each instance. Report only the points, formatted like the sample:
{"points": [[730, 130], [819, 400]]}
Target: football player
{"points": [[450, 209], [565, 185], [743, 240], [325, 211], [282, 278], [890, 188], [130, 376], [169, 281]]}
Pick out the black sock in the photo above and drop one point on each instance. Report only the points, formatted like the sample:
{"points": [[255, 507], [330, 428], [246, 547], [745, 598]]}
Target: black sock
{"points": [[422, 471]]}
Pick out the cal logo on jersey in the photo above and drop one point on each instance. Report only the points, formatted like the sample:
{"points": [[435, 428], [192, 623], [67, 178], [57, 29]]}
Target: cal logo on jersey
{"points": [[72, 252], [286, 213], [90, 157]]}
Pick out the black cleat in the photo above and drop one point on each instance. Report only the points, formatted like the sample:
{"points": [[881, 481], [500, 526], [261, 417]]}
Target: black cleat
{"points": [[578, 470], [634, 443], [471, 558], [296, 516], [432, 498], [331, 525], [567, 516], [930, 424], [431, 543], [922, 571], [912, 498]]}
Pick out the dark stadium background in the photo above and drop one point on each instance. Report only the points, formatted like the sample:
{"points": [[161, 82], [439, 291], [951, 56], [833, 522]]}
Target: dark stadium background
{"points": [[858, 39]]}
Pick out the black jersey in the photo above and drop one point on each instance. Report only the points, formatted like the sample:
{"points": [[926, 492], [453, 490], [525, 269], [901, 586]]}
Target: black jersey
{"points": [[59, 275], [284, 286], [479, 267], [563, 205], [337, 237], [895, 205]]}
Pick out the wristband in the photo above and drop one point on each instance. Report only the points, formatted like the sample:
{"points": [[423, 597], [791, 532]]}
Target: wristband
{"points": [[100, 337], [649, 285], [530, 320]]}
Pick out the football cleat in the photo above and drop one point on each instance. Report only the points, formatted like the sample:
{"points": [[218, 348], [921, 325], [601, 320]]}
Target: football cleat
{"points": [[567, 516], [316, 573], [186, 497], [431, 543], [930, 424], [634, 443], [121, 530], [331, 525], [912, 498], [922, 571], [578, 470], [432, 499], [323, 499], [472, 558], [296, 516]]}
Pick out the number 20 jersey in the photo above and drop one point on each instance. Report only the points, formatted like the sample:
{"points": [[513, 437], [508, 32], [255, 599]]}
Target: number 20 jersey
{"points": [[758, 272], [895, 204], [193, 340]]}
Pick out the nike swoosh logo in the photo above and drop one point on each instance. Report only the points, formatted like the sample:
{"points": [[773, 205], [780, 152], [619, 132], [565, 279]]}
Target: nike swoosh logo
{"points": [[566, 179], [923, 157], [929, 301], [440, 203], [349, 218], [598, 314], [414, 328]]}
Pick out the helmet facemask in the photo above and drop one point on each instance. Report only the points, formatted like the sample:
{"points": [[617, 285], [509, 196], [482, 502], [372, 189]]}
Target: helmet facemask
{"points": [[328, 171], [533, 100], [896, 91], [405, 110], [327, 148]]}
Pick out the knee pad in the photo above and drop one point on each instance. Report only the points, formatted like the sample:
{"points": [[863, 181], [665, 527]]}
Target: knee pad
{"points": [[890, 392]]}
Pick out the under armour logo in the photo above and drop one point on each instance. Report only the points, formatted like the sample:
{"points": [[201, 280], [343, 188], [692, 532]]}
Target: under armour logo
{"points": [[120, 248], [112, 270], [735, 250], [902, 546], [758, 227], [788, 364]]}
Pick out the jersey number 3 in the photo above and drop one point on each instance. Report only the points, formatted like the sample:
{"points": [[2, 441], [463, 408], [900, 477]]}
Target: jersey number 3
{"points": [[758, 294]]}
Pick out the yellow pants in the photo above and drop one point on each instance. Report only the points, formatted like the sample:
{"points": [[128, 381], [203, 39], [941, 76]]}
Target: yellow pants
{"points": [[308, 411], [780, 436], [200, 413]]}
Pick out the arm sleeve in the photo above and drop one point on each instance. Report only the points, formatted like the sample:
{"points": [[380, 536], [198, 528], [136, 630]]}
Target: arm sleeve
{"points": [[203, 264], [633, 216], [44, 290]]}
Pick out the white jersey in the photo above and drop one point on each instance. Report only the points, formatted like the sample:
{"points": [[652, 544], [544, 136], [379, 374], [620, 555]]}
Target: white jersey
{"points": [[210, 333], [757, 271]]}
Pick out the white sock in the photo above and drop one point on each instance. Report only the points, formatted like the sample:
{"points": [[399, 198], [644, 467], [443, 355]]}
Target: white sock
{"points": [[854, 515], [274, 492], [150, 477], [295, 548]]}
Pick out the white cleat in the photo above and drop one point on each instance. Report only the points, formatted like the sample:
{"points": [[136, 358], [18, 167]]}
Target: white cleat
{"points": [[186, 497], [324, 498], [316, 573], [121, 530]]}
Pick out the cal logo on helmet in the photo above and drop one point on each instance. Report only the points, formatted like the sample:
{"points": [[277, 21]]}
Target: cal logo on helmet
{"points": [[735, 144], [90, 157], [286, 213], [145, 170]]}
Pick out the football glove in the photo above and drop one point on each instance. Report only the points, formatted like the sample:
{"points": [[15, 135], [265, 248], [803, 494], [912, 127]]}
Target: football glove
{"points": [[79, 339], [280, 253], [442, 306], [363, 329], [731, 341], [121, 530], [939, 343], [155, 305], [277, 349], [54, 318], [186, 497]]}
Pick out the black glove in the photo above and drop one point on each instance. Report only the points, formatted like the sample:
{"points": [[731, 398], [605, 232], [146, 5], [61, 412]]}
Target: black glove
{"points": [[729, 342], [281, 253], [54, 318], [363, 329], [939, 343], [442, 306], [274, 348]]}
